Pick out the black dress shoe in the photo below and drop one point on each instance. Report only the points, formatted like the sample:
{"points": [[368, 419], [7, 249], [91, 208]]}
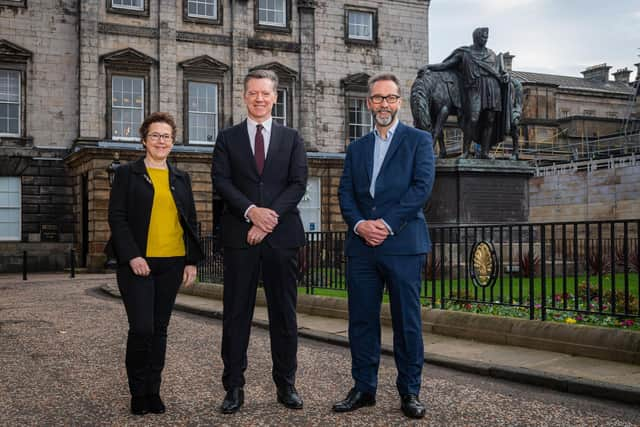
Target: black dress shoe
{"points": [[412, 407], [233, 400], [355, 400], [289, 397], [155, 404], [139, 405]]}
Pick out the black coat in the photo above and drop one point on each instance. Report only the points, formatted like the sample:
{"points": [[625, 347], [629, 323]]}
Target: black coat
{"points": [[130, 211], [280, 187]]}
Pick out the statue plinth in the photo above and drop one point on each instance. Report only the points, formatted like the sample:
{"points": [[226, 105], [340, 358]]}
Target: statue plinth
{"points": [[479, 191]]}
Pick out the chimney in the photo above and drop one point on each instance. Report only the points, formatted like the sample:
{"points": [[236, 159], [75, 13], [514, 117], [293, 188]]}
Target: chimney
{"points": [[597, 73], [508, 60], [622, 75]]}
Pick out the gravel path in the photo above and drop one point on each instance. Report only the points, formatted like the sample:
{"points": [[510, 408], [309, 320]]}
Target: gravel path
{"points": [[62, 362]]}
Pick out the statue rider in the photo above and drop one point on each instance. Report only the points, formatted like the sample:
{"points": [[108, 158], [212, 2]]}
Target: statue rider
{"points": [[485, 88]]}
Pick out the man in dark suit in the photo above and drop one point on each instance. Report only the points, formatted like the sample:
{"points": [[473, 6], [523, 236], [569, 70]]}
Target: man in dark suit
{"points": [[387, 179], [260, 170]]}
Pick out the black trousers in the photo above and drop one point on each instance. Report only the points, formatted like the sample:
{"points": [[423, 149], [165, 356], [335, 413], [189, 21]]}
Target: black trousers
{"points": [[148, 302], [242, 268]]}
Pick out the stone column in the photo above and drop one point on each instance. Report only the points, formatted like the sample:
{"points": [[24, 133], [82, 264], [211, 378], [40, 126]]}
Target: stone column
{"points": [[167, 69], [307, 124], [90, 120]]}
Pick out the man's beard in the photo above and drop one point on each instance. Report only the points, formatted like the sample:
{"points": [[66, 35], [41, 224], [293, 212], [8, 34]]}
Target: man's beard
{"points": [[385, 121]]}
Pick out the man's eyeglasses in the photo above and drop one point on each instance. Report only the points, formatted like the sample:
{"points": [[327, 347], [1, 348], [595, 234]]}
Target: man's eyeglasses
{"points": [[391, 99], [157, 137]]}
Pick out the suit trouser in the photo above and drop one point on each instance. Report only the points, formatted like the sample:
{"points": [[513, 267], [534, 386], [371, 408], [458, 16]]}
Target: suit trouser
{"points": [[366, 277], [148, 302], [242, 269]]}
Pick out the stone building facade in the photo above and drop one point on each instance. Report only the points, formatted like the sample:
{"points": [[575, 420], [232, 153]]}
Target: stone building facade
{"points": [[76, 78]]}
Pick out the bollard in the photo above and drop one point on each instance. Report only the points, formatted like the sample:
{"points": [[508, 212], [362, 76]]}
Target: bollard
{"points": [[73, 262], [24, 265]]}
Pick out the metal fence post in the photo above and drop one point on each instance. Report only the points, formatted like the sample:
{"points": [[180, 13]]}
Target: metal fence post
{"points": [[24, 265], [72, 260]]}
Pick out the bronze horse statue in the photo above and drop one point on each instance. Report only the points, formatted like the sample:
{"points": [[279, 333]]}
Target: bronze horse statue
{"points": [[435, 95]]}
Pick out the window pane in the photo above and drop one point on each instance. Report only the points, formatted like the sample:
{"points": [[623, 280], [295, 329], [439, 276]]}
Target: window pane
{"points": [[127, 106], [203, 112], [272, 12], [9, 102], [279, 110], [128, 4], [359, 118], [10, 208], [360, 25]]}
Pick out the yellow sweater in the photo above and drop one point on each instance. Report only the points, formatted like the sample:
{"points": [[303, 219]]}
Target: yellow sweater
{"points": [[165, 232]]}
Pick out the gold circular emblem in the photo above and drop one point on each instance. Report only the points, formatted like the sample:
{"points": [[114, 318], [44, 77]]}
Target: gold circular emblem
{"points": [[483, 264]]}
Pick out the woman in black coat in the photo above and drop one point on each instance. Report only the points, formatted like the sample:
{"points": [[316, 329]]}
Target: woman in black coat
{"points": [[153, 234]]}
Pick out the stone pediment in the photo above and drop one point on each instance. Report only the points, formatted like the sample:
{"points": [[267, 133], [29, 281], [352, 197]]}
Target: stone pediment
{"points": [[10, 52], [356, 82], [204, 63], [127, 57], [282, 71]]}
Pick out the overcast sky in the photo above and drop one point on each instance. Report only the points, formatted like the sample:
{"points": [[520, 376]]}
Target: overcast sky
{"points": [[547, 36]]}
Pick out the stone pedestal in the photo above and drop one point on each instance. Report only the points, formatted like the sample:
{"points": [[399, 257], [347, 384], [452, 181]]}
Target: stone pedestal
{"points": [[474, 191]]}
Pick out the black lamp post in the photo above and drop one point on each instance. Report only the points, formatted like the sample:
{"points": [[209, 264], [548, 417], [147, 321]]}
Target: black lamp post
{"points": [[111, 170], [111, 263]]}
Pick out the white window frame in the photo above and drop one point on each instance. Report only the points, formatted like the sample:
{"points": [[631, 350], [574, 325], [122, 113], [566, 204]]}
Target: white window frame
{"points": [[366, 127], [205, 2], [133, 131], [7, 206], [266, 9], [19, 103], [310, 205], [114, 5], [204, 113], [283, 94], [353, 26]]}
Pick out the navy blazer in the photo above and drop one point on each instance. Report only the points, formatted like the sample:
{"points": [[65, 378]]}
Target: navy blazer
{"points": [[402, 189], [280, 187]]}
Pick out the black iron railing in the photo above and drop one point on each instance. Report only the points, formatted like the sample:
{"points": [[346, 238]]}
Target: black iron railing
{"points": [[587, 268]]}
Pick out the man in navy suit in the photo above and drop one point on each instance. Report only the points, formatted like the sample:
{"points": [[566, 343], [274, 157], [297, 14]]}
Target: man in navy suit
{"points": [[260, 170], [387, 179]]}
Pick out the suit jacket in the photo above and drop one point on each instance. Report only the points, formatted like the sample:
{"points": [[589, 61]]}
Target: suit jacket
{"points": [[280, 187], [402, 188], [130, 207]]}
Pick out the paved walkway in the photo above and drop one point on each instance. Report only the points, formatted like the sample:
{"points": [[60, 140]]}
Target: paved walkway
{"points": [[580, 375], [62, 347]]}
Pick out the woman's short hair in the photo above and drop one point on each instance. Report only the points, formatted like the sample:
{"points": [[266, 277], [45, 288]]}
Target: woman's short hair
{"points": [[157, 117]]}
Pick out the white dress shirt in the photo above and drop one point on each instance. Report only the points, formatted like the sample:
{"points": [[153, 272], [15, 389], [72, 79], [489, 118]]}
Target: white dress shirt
{"points": [[266, 136]]}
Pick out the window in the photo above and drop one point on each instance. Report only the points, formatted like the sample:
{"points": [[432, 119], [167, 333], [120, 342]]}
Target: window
{"points": [[272, 12], [127, 107], [10, 207], [203, 89], [589, 112], [564, 113], [10, 103], [360, 25], [129, 7], [360, 122], [612, 114], [309, 206], [15, 3], [279, 110], [203, 11], [273, 15], [128, 73], [128, 4], [203, 112]]}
